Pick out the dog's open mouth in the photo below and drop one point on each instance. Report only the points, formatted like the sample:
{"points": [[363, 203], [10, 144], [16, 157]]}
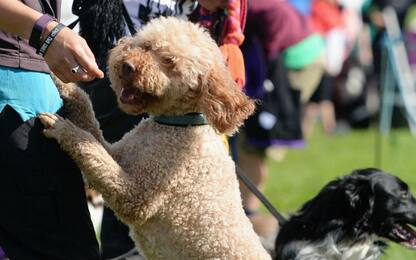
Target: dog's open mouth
{"points": [[131, 96], [404, 235]]}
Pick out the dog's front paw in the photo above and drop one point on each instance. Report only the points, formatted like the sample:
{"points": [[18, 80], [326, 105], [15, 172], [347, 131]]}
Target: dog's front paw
{"points": [[55, 126]]}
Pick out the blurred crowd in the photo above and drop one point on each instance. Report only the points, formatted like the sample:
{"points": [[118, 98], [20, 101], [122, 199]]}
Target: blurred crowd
{"points": [[311, 63]]}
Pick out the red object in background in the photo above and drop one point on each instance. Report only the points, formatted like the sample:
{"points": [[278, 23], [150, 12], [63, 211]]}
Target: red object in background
{"points": [[326, 15]]}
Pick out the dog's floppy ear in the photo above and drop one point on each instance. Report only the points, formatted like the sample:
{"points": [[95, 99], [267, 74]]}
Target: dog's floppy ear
{"points": [[360, 195], [359, 186], [223, 103]]}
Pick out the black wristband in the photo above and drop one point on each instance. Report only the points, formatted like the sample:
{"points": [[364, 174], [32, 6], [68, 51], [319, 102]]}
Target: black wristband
{"points": [[49, 39], [38, 27]]}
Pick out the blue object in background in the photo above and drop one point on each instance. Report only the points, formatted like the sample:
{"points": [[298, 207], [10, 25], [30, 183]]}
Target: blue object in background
{"points": [[303, 6]]}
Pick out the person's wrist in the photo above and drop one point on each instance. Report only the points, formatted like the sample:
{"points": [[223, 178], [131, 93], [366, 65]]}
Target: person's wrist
{"points": [[47, 30], [39, 26], [58, 27]]}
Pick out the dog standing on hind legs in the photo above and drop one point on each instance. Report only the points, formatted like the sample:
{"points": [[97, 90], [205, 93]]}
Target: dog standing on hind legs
{"points": [[175, 186], [351, 218]]}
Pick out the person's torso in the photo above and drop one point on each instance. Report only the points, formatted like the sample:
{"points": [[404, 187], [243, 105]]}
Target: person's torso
{"points": [[28, 92], [285, 26], [25, 84], [15, 52]]}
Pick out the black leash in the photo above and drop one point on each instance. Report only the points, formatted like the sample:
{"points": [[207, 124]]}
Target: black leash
{"points": [[243, 177]]}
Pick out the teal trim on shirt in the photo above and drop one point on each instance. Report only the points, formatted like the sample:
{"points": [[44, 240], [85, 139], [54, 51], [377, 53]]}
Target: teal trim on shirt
{"points": [[304, 52], [28, 92]]}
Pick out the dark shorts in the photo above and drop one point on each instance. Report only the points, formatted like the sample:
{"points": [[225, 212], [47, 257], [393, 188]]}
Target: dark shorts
{"points": [[44, 214], [324, 90]]}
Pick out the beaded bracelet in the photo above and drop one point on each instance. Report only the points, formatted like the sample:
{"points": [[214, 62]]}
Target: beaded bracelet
{"points": [[49, 39]]}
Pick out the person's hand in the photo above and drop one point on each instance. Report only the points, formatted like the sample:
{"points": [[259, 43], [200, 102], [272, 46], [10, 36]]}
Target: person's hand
{"points": [[70, 58], [213, 5]]}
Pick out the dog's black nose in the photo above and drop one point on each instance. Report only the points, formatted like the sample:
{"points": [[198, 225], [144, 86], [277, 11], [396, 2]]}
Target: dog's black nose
{"points": [[128, 67]]}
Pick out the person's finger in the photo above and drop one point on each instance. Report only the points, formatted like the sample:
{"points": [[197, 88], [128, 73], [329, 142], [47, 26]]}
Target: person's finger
{"points": [[46, 120], [78, 73], [50, 115], [87, 63], [63, 75], [73, 71]]}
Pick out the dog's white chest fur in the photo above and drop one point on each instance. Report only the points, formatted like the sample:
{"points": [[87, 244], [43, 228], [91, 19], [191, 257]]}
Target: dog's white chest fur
{"points": [[329, 250]]}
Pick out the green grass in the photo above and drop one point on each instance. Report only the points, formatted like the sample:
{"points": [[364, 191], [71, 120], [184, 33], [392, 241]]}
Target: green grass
{"points": [[304, 172]]}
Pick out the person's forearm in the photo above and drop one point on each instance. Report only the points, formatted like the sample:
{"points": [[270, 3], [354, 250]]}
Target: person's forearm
{"points": [[17, 18]]}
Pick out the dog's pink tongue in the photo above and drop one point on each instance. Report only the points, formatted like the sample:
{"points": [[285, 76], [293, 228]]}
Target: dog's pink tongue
{"points": [[128, 95]]}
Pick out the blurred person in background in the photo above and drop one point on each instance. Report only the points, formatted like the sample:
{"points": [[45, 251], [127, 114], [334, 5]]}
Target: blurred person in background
{"points": [[326, 18], [283, 68], [351, 94]]}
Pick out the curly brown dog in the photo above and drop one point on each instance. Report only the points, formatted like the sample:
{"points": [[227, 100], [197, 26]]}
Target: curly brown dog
{"points": [[175, 186]]}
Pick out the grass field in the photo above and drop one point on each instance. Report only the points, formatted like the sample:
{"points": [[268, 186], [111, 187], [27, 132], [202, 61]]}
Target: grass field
{"points": [[304, 172]]}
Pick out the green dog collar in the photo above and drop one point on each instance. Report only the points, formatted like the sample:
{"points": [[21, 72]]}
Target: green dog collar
{"points": [[191, 119]]}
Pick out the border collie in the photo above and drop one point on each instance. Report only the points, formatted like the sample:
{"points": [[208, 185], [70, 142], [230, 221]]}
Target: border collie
{"points": [[351, 218]]}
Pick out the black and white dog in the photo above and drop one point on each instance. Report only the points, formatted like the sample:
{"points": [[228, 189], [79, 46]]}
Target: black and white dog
{"points": [[351, 218]]}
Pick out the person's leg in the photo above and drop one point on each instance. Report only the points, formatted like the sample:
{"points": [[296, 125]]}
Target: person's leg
{"points": [[327, 112], [310, 113], [312, 108], [252, 161], [44, 211], [254, 166], [326, 105]]}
